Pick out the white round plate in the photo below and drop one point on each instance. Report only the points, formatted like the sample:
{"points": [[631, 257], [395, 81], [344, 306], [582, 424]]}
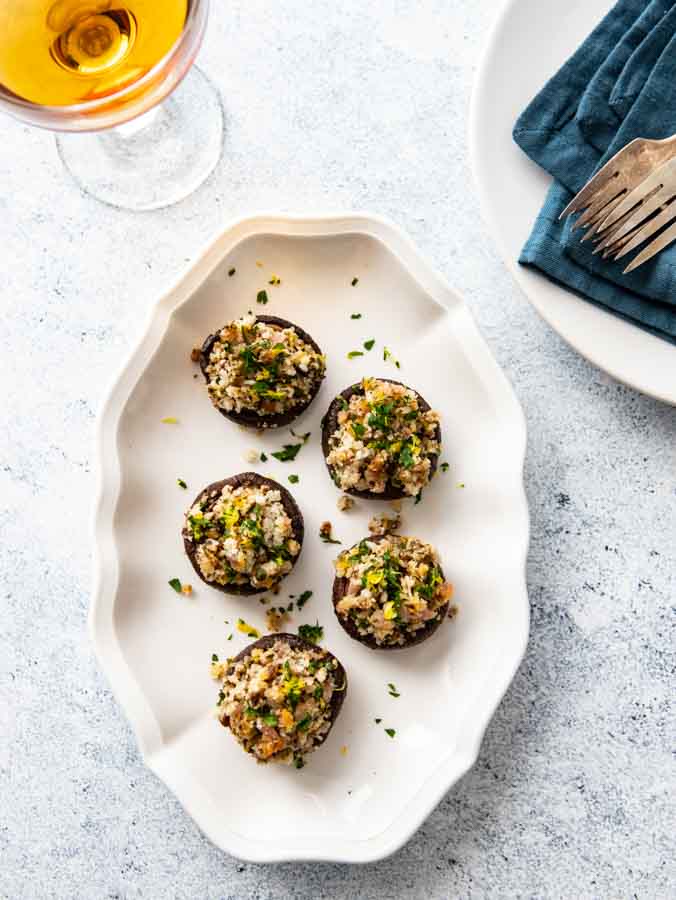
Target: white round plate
{"points": [[155, 645], [529, 42]]}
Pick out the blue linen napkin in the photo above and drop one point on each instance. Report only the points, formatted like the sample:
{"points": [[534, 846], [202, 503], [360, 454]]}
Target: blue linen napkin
{"points": [[578, 121]]}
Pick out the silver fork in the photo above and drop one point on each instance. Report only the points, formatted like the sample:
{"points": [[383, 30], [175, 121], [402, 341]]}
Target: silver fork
{"points": [[638, 182]]}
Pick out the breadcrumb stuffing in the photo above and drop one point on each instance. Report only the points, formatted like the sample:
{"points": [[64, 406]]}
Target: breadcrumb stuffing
{"points": [[385, 436], [275, 619]]}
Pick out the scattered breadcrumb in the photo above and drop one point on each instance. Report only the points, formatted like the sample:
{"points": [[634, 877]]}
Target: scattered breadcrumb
{"points": [[276, 618], [186, 589], [345, 502], [343, 750], [452, 611], [383, 524], [195, 354], [251, 456], [275, 281], [172, 420], [259, 264], [326, 533]]}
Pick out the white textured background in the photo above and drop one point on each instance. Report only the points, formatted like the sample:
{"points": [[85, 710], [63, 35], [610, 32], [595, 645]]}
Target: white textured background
{"points": [[330, 107]]}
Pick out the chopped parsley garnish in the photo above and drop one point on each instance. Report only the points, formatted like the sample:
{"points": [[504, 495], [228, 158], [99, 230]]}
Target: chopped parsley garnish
{"points": [[170, 420], [388, 355], [444, 467], [460, 484], [214, 657], [287, 453], [312, 633], [369, 344], [318, 692], [328, 539], [293, 686], [354, 353], [392, 691], [275, 281], [358, 429], [418, 498], [176, 585], [390, 731], [354, 282], [264, 457], [298, 762], [303, 599], [304, 723], [294, 479], [229, 637], [406, 457], [377, 721], [301, 437], [231, 272], [262, 297], [181, 483], [251, 712], [355, 316]]}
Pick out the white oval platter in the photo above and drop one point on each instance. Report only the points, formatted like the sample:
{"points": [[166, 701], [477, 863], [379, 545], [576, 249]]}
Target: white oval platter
{"points": [[363, 794]]}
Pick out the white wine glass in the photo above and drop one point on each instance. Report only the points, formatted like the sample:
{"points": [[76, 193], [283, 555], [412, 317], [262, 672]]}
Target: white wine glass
{"points": [[139, 126]]}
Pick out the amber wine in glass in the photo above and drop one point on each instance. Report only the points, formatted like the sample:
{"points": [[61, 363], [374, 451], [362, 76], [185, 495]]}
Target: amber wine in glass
{"points": [[92, 65]]}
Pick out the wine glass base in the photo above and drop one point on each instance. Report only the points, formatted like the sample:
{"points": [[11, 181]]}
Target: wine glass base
{"points": [[157, 159]]}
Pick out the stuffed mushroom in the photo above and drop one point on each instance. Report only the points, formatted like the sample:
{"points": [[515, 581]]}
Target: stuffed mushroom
{"points": [[262, 371], [244, 534], [390, 592], [381, 440], [280, 697]]}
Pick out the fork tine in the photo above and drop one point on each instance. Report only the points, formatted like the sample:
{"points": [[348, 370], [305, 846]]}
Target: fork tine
{"points": [[647, 188], [614, 248], [606, 238], [652, 203], [603, 176], [645, 231], [667, 237], [593, 224], [598, 203]]}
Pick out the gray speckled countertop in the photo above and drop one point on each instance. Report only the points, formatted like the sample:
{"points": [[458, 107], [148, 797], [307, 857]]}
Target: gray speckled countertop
{"points": [[330, 107]]}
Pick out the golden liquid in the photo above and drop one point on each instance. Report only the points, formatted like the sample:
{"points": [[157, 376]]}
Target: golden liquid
{"points": [[60, 52]]}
